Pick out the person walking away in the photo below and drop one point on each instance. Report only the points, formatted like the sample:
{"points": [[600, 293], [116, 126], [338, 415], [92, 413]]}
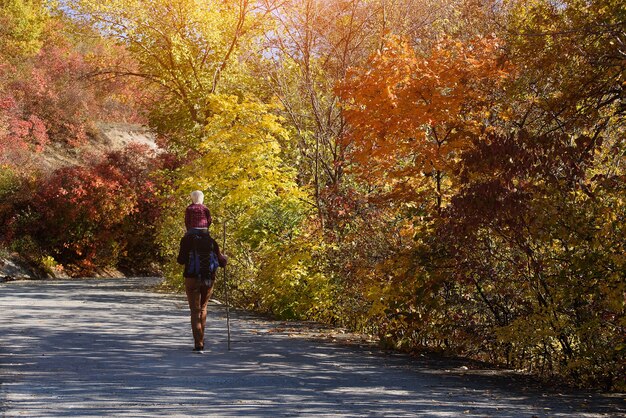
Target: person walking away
{"points": [[197, 216], [200, 254]]}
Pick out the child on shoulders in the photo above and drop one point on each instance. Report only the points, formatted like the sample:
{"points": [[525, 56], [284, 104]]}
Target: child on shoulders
{"points": [[197, 216]]}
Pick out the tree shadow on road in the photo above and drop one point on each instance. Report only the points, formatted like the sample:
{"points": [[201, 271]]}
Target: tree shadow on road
{"points": [[118, 351]]}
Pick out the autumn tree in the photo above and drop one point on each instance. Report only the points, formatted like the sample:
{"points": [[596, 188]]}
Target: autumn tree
{"points": [[311, 47], [184, 51], [530, 197], [513, 268], [411, 117]]}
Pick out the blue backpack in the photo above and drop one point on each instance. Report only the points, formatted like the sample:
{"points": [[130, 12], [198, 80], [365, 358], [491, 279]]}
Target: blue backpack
{"points": [[201, 264]]}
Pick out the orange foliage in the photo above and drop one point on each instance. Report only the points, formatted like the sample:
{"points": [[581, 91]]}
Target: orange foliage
{"points": [[410, 116]]}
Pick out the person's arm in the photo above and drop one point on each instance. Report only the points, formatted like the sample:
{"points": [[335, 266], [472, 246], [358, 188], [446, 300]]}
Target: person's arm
{"points": [[221, 258], [183, 252]]}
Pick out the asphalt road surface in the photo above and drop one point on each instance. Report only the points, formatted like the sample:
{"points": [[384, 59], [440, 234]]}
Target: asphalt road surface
{"points": [[94, 348]]}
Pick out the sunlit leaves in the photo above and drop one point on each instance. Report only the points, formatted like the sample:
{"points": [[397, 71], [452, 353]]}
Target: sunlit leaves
{"points": [[21, 25], [184, 50]]}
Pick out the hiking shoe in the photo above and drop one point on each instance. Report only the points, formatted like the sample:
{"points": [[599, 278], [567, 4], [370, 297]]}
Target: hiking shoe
{"points": [[198, 350]]}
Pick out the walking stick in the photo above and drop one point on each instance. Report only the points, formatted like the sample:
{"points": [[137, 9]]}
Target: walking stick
{"points": [[226, 288]]}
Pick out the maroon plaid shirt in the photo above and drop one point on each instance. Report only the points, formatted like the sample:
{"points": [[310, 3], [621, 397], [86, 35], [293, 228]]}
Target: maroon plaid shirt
{"points": [[197, 216]]}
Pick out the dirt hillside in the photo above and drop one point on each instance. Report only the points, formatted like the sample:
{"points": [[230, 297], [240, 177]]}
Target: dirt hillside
{"points": [[106, 137]]}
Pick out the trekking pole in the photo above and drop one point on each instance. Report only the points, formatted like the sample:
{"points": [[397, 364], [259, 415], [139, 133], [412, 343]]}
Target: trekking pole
{"points": [[226, 288]]}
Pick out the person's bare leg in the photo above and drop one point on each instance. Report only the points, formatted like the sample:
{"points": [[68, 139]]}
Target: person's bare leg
{"points": [[205, 295], [194, 298]]}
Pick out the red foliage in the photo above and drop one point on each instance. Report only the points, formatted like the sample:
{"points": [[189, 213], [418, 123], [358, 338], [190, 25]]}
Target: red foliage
{"points": [[19, 132], [87, 216], [52, 90]]}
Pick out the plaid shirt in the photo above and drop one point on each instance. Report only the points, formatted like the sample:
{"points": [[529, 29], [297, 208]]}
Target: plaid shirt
{"points": [[197, 216]]}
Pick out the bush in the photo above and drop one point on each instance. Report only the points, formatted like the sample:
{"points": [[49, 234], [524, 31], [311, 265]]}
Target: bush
{"points": [[94, 217]]}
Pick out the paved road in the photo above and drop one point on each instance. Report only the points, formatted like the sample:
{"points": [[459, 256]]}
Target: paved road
{"points": [[114, 348]]}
